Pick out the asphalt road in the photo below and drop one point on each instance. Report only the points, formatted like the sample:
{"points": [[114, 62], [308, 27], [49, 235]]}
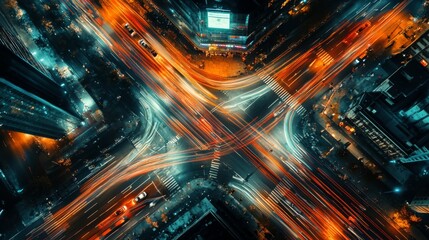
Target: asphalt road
{"points": [[283, 180]]}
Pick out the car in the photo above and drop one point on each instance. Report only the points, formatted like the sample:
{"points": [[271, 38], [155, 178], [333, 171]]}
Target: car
{"points": [[143, 42], [140, 197], [130, 29], [154, 53], [121, 210]]}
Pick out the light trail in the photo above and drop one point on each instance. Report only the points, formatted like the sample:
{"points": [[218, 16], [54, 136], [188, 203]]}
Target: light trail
{"points": [[183, 102]]}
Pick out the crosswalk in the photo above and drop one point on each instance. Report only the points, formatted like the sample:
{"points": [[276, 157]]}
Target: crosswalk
{"points": [[297, 137], [215, 163], [279, 90], [174, 140], [137, 143], [277, 196], [168, 180], [324, 56], [283, 94], [172, 143]]}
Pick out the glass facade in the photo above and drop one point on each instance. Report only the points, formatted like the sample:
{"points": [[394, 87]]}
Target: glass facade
{"points": [[25, 112]]}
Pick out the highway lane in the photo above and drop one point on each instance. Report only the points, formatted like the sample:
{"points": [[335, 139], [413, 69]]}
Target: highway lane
{"points": [[103, 207]]}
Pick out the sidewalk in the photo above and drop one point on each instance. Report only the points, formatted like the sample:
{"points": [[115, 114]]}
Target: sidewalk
{"points": [[222, 66]]}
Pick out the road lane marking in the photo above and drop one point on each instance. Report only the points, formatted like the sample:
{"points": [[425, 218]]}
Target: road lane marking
{"points": [[93, 213], [108, 209], [76, 233], [87, 225], [90, 208], [111, 199], [126, 189], [142, 183], [156, 187]]}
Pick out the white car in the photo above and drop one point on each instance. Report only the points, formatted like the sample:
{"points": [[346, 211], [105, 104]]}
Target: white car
{"points": [[143, 42], [130, 29], [140, 197]]}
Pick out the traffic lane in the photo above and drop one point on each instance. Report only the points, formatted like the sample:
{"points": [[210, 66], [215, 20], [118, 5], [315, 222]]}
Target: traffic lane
{"points": [[138, 216], [71, 193], [331, 51], [107, 228], [102, 208], [314, 62], [103, 205], [108, 222], [262, 106], [362, 215], [336, 194]]}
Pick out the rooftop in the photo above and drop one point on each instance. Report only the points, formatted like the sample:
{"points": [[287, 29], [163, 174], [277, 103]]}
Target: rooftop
{"points": [[208, 227], [236, 6]]}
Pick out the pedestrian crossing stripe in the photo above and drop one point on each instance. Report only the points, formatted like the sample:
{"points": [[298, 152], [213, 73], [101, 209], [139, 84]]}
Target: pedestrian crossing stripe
{"points": [[324, 56]]}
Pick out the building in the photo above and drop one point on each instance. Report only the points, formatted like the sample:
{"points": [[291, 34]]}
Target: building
{"points": [[10, 40], [31, 101], [420, 204], [225, 25], [23, 111], [420, 50], [394, 116]]}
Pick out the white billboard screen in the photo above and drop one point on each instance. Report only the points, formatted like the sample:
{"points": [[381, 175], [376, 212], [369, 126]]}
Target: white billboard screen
{"points": [[218, 20]]}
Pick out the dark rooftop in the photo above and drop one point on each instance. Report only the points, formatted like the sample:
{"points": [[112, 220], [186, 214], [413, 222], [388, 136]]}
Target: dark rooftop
{"points": [[208, 227], [236, 6], [407, 82], [376, 107]]}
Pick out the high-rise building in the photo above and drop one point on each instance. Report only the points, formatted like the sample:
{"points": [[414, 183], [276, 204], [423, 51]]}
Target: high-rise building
{"points": [[31, 101], [225, 25], [420, 50], [394, 116], [23, 111]]}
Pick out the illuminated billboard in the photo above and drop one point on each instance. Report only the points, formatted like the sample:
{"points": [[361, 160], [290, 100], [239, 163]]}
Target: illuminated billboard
{"points": [[218, 19]]}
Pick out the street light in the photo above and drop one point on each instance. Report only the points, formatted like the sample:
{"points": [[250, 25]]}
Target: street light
{"points": [[395, 190]]}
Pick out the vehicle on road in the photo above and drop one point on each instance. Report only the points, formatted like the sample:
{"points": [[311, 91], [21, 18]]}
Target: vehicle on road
{"points": [[140, 197], [357, 31], [277, 113], [113, 228], [130, 29], [146, 45], [121, 210]]}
